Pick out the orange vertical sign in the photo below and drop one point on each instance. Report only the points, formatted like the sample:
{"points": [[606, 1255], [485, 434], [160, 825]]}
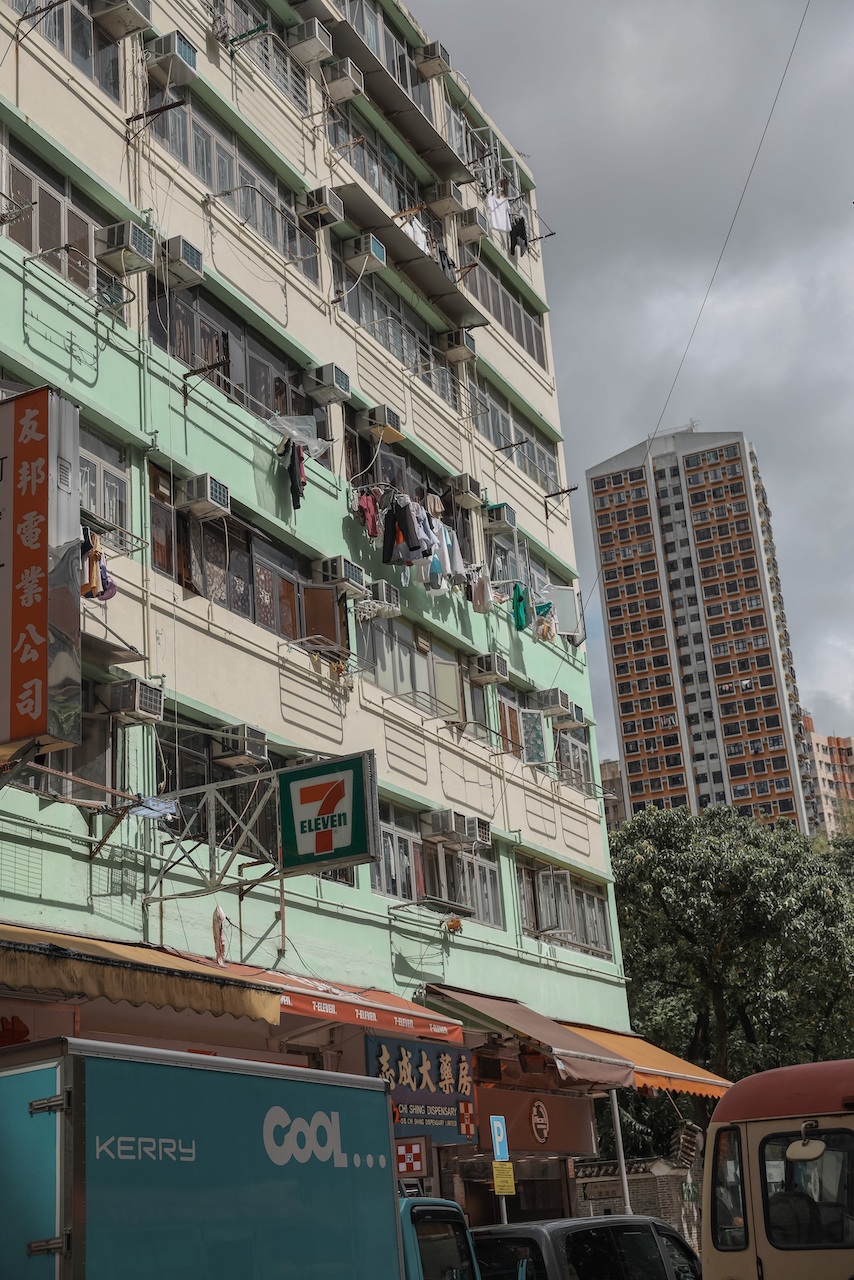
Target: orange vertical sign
{"points": [[24, 446]]}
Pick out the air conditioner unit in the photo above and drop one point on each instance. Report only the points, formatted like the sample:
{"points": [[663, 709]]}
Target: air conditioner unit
{"points": [[331, 385], [171, 60], [240, 744], [205, 496], [459, 830], [571, 719], [384, 424], [466, 490], [131, 701], [471, 225], [321, 208], [365, 254], [344, 80], [338, 571], [122, 18], [458, 346], [552, 702], [444, 199], [488, 668], [124, 248], [387, 596], [433, 60], [180, 265], [499, 518], [310, 42]]}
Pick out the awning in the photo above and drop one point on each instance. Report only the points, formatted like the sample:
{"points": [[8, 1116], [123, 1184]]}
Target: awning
{"points": [[368, 1008], [579, 1060], [654, 1067], [74, 965]]}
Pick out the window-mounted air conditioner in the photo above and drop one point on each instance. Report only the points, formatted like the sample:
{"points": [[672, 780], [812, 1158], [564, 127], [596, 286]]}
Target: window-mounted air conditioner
{"points": [[365, 254], [240, 744], [124, 248], [458, 346], [344, 80], [488, 668], [310, 42], [122, 18], [328, 385], [383, 423], [459, 830], [171, 60], [180, 265], [445, 199], [338, 571], [204, 496], [499, 518], [433, 60], [131, 701], [466, 490], [387, 597], [321, 208], [552, 702], [471, 225]]}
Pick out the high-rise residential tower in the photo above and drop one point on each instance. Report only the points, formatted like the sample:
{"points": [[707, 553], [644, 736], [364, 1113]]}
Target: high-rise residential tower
{"points": [[832, 791], [701, 665]]}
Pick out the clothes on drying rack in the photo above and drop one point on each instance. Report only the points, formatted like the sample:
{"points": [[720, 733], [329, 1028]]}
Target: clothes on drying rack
{"points": [[483, 600], [519, 238], [498, 209], [401, 541]]}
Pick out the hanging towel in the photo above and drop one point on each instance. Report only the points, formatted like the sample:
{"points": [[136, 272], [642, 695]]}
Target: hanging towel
{"points": [[435, 505], [519, 621], [368, 513], [483, 600], [91, 585], [498, 208], [519, 237], [455, 556]]}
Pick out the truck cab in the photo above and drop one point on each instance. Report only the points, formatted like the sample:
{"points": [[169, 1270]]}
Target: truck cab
{"points": [[436, 1241]]}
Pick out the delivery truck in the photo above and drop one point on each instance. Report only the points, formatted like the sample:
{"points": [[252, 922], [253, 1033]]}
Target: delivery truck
{"points": [[125, 1163]]}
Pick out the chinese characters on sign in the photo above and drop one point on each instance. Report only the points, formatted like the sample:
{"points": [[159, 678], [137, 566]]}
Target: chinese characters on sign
{"points": [[431, 1087], [24, 493]]}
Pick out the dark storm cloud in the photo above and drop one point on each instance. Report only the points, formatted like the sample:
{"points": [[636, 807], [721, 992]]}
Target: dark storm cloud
{"points": [[642, 118]]}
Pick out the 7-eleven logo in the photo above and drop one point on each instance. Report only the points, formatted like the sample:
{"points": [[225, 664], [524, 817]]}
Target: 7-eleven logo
{"points": [[323, 813]]}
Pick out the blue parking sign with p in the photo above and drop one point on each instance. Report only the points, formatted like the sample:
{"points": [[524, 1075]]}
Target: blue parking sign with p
{"points": [[499, 1137]]}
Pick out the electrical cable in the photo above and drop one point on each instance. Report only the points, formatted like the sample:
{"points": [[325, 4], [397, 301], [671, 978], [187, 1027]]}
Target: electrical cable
{"points": [[720, 258]]}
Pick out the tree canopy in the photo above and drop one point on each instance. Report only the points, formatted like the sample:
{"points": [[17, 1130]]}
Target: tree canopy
{"points": [[738, 941]]}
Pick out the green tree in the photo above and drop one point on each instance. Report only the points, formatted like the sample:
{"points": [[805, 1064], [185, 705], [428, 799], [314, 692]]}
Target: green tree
{"points": [[738, 941]]}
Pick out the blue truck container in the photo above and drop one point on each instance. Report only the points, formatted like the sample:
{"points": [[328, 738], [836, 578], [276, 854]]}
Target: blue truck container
{"points": [[120, 1161]]}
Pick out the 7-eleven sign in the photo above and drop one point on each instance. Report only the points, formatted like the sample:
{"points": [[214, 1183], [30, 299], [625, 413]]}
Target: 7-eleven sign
{"points": [[330, 814], [323, 812]]}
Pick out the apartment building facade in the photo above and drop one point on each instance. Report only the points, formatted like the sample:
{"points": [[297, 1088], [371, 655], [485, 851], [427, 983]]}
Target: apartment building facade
{"points": [[702, 673], [229, 231], [832, 777], [613, 795]]}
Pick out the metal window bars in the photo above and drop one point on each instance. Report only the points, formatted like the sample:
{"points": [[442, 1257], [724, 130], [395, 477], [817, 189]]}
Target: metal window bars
{"points": [[234, 28], [105, 291], [12, 210], [421, 359], [249, 217]]}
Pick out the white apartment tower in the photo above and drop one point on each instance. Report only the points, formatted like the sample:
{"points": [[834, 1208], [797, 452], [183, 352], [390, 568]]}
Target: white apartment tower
{"points": [[702, 674]]}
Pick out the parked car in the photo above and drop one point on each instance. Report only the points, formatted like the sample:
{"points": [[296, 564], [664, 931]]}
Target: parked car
{"points": [[613, 1248]]}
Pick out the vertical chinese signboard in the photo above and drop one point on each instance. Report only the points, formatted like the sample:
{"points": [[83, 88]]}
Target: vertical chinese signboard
{"points": [[432, 1089], [39, 573]]}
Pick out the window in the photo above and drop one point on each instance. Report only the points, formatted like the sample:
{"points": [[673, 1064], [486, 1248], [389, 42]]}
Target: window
{"points": [[70, 30], [240, 570], [95, 760], [808, 1204], [505, 303], [466, 876], [609, 1253], [270, 53], [409, 663], [502, 424], [443, 1241], [221, 161], [573, 755], [103, 481], [61, 214], [573, 912], [398, 874], [499, 1257], [202, 331], [729, 1229]]}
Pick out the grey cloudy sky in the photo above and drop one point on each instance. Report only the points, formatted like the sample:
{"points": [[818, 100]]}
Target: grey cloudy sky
{"points": [[642, 118]]}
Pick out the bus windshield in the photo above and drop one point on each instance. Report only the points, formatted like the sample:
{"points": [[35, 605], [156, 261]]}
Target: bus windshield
{"points": [[809, 1204]]}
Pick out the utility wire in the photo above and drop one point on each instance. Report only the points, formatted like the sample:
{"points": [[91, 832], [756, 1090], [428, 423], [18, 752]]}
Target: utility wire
{"points": [[720, 256]]}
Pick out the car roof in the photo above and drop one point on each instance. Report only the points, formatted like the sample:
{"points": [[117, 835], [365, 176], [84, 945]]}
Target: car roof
{"points": [[552, 1225]]}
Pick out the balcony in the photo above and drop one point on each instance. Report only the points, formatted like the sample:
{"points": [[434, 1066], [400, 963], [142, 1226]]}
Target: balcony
{"points": [[399, 108], [419, 259]]}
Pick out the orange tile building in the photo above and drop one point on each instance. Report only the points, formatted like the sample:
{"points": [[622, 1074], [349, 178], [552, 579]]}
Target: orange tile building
{"points": [[701, 665]]}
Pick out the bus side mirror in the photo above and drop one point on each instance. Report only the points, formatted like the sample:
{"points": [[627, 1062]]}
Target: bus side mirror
{"points": [[806, 1148]]}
